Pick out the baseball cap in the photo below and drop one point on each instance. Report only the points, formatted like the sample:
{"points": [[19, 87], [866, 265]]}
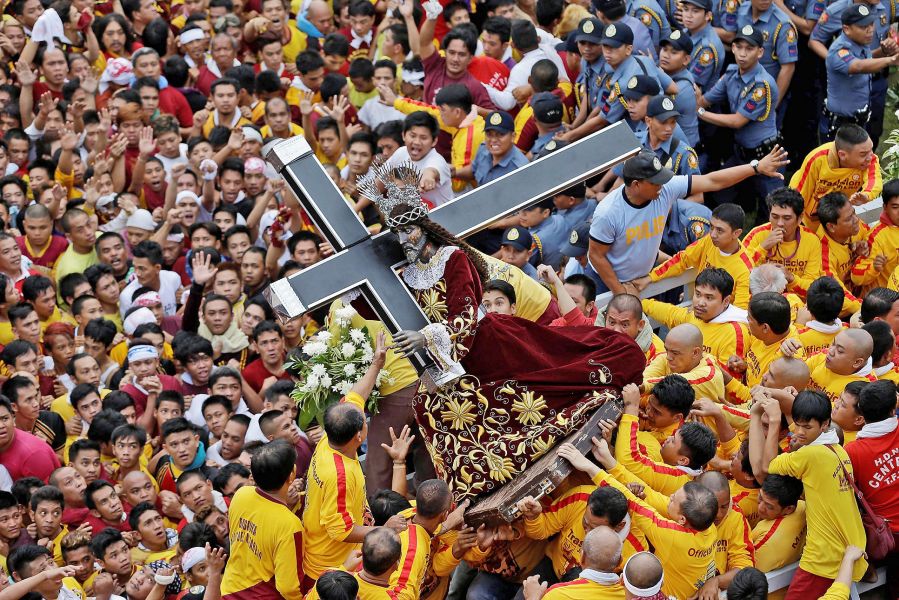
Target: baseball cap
{"points": [[639, 86], [617, 35], [550, 147], [518, 237], [589, 30], [499, 120], [751, 35], [646, 166], [662, 108], [857, 14], [547, 107], [678, 40], [705, 5], [578, 241], [141, 219]]}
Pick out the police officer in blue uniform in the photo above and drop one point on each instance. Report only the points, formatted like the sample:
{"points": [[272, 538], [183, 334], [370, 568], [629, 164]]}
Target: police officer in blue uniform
{"points": [[548, 110], [780, 43], [707, 56], [674, 57], [589, 81], [615, 11], [499, 128], [829, 26], [849, 71], [552, 231], [751, 94], [661, 121], [620, 66], [637, 93], [652, 16], [519, 239]]}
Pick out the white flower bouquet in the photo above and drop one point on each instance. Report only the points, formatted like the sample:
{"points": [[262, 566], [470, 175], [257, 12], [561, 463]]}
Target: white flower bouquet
{"points": [[331, 362]]}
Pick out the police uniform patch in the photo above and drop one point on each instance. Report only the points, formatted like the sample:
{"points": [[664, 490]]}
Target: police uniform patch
{"points": [[512, 235], [632, 83], [572, 239], [692, 161], [668, 164], [765, 35], [883, 19], [551, 145], [863, 10], [758, 94], [611, 31], [791, 35], [747, 30], [842, 52], [698, 229], [646, 19], [705, 57], [731, 6], [587, 27], [667, 104]]}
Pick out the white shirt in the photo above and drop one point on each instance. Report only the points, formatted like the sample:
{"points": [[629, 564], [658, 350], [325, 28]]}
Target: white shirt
{"points": [[441, 194], [374, 112], [168, 163], [169, 283], [194, 414], [520, 73]]}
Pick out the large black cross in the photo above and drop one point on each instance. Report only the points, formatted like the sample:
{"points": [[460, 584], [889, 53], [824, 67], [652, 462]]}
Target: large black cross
{"points": [[369, 263]]}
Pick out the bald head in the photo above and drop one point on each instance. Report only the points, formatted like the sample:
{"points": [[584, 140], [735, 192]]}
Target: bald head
{"points": [[858, 341], [643, 570], [320, 14], [628, 304], [381, 550], [714, 481], [785, 372], [687, 335], [134, 478], [601, 550]]}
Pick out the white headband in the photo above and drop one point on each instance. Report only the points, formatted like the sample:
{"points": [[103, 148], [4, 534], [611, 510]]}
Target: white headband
{"points": [[142, 352], [640, 592], [175, 237], [187, 194], [191, 35], [413, 77]]}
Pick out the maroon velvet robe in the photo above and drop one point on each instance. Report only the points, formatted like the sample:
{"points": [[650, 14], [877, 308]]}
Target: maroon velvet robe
{"points": [[526, 385]]}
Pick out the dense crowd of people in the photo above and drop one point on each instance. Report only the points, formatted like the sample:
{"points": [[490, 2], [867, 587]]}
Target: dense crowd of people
{"points": [[150, 447]]}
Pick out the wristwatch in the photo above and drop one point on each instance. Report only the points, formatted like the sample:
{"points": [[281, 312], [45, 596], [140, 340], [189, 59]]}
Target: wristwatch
{"points": [[755, 166], [700, 111]]}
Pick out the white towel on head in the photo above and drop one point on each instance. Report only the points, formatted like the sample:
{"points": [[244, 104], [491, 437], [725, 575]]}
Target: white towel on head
{"points": [[48, 28]]}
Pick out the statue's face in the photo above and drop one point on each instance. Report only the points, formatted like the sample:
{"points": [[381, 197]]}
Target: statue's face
{"points": [[412, 241]]}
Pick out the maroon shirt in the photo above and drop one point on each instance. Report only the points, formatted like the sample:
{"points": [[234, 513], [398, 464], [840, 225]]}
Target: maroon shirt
{"points": [[173, 102], [437, 78], [255, 374], [140, 398]]}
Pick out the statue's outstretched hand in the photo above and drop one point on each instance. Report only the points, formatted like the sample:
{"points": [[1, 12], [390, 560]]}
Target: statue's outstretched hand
{"points": [[408, 341]]}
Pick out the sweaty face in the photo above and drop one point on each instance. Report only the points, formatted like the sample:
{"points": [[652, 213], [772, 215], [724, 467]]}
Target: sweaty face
{"points": [[624, 322], [708, 303]]}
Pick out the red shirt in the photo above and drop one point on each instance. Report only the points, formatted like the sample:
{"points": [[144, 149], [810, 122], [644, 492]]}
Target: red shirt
{"points": [[40, 88], [173, 102], [98, 525], [73, 517], [55, 248], [255, 374], [437, 78], [205, 79], [489, 71], [29, 456], [140, 398], [152, 199], [875, 466]]}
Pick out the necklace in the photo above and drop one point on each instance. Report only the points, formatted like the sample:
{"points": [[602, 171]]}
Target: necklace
{"points": [[776, 249]]}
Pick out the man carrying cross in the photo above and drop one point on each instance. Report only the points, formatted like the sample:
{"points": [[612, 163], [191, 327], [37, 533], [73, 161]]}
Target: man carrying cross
{"points": [[521, 387]]}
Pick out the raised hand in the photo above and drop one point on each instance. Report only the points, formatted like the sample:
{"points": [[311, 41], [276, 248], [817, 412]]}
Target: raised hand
{"points": [[398, 450], [203, 270], [24, 74], [146, 143], [775, 160]]}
